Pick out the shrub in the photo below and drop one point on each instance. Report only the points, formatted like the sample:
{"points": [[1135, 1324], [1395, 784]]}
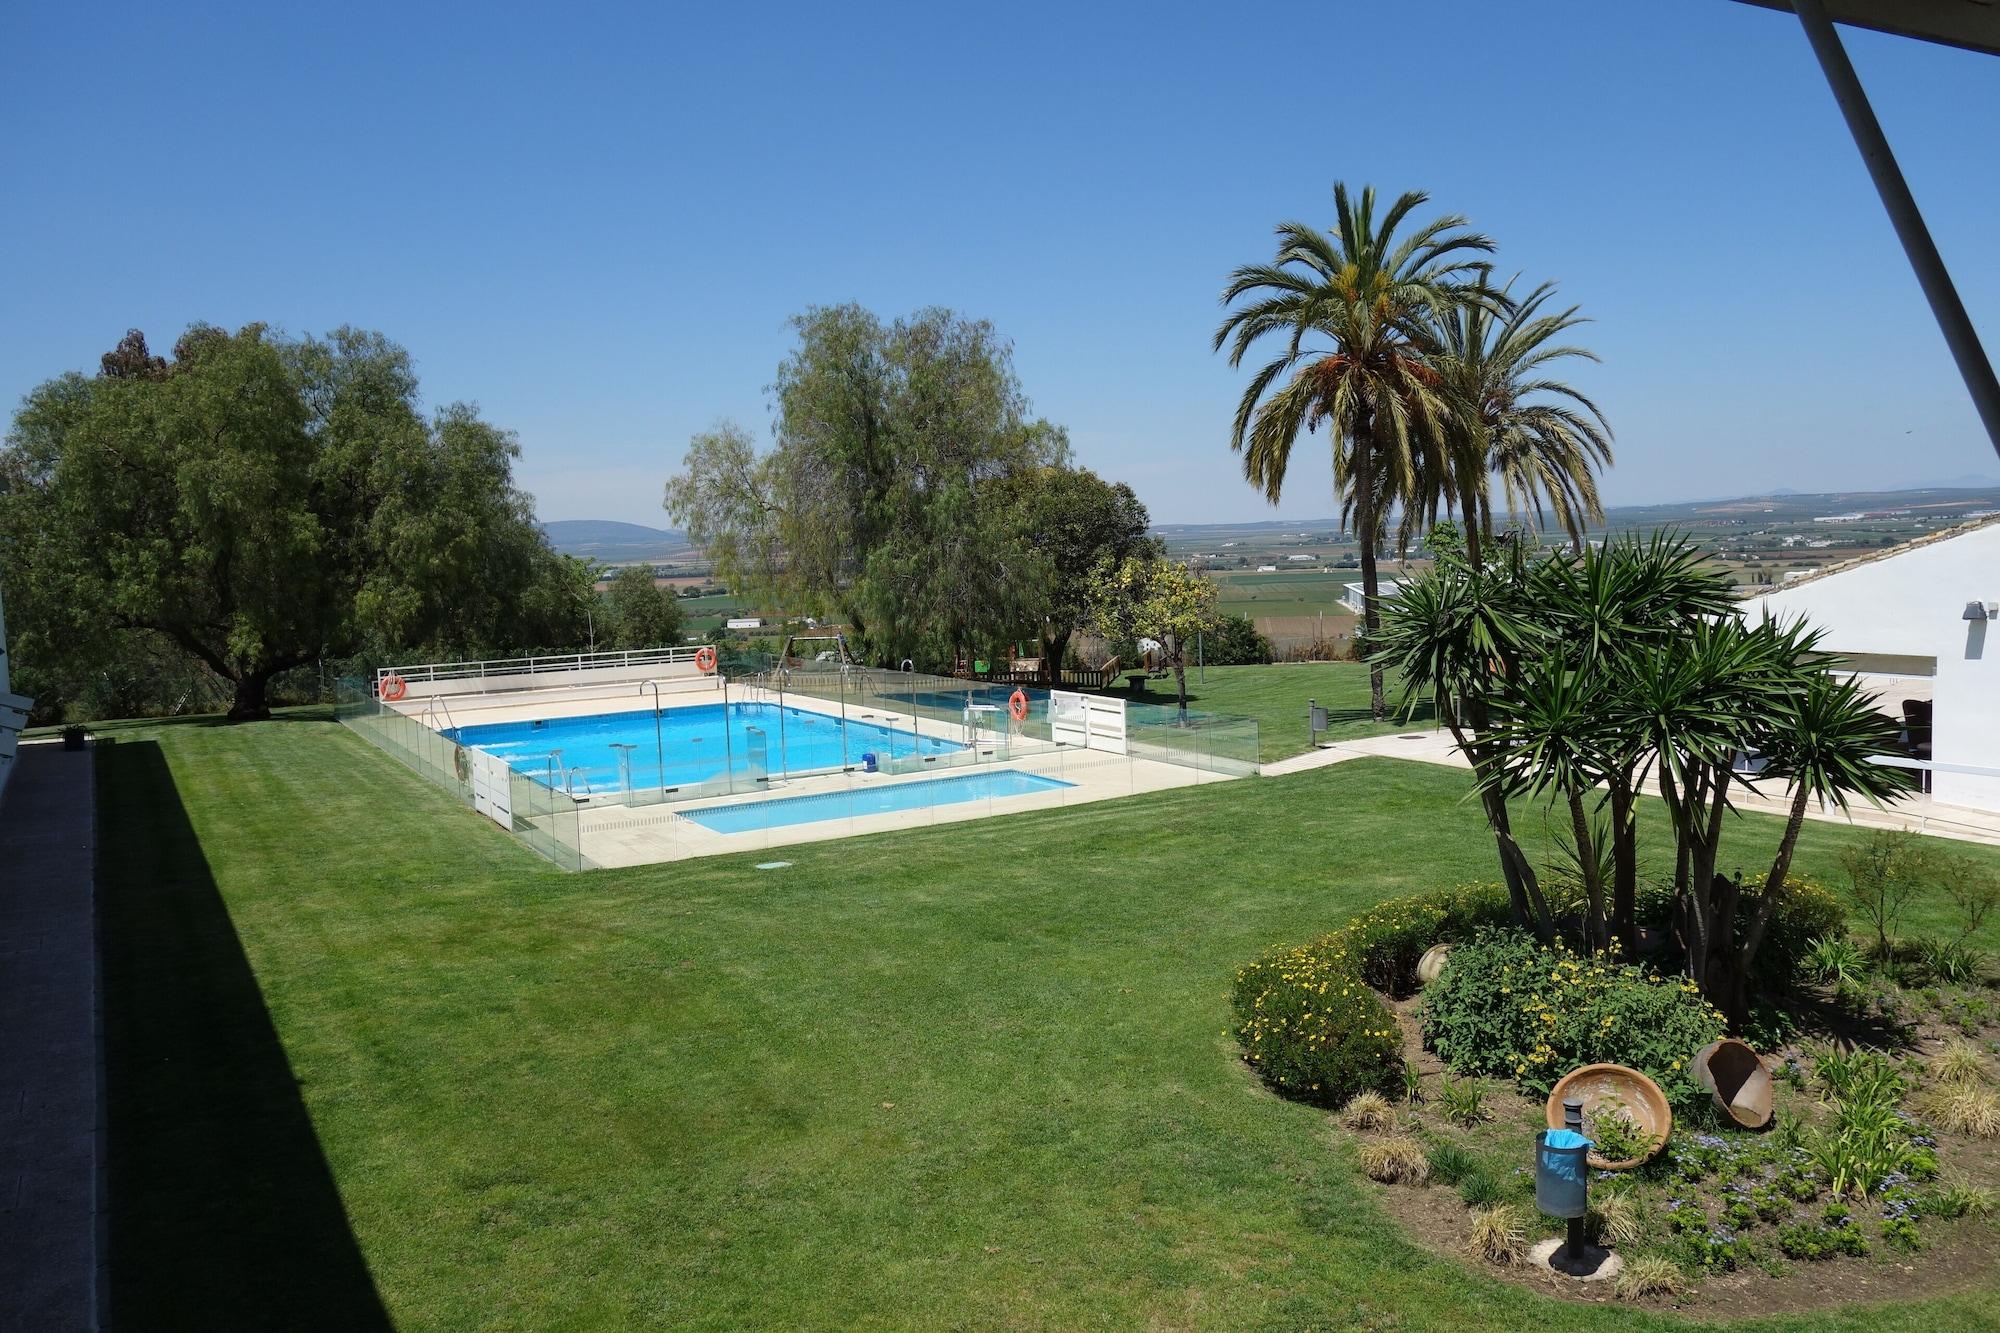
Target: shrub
{"points": [[1617, 1136], [1478, 1190], [1649, 1275], [1462, 1103], [1807, 912], [1234, 641], [1963, 1110], [1835, 1233], [1393, 1161], [1312, 1029], [1367, 1110], [1961, 1063], [1614, 1217], [1387, 940], [1835, 960], [1510, 1007], [1306, 1016], [1450, 1163], [1498, 1234]]}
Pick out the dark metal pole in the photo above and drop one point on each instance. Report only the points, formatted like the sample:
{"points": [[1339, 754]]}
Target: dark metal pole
{"points": [[1573, 1238], [1957, 328]]}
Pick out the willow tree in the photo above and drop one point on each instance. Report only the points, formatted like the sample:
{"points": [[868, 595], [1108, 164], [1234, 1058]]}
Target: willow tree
{"points": [[872, 506], [1354, 312], [257, 503]]}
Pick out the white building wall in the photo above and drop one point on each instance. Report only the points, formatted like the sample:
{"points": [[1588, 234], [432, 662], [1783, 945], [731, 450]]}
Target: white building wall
{"points": [[1910, 606]]}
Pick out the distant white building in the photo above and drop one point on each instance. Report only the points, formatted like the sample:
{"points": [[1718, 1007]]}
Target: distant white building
{"points": [[1914, 621], [1267, 569], [1354, 595], [1295, 559], [744, 622]]}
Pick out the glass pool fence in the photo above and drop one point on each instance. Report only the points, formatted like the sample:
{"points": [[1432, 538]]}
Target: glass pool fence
{"points": [[816, 745]]}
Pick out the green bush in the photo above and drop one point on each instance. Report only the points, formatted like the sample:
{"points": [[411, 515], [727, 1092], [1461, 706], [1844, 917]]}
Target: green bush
{"points": [[1388, 939], [1306, 1015], [1234, 641], [1807, 912], [1510, 1007], [1312, 1028]]}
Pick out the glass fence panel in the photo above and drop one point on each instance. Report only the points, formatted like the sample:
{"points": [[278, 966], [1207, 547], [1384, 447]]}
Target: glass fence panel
{"points": [[839, 736]]}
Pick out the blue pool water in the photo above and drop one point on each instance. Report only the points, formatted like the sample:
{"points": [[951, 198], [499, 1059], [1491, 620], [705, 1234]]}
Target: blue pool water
{"points": [[691, 746], [875, 799]]}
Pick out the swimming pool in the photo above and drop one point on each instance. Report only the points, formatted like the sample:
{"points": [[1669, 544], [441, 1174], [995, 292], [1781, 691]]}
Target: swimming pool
{"points": [[693, 745], [877, 799]]}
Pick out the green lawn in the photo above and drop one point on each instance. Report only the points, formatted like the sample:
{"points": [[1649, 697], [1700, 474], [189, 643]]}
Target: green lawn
{"points": [[1276, 696], [370, 1062]]}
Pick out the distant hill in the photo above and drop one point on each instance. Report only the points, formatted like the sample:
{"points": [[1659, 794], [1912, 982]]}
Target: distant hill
{"points": [[617, 543]]}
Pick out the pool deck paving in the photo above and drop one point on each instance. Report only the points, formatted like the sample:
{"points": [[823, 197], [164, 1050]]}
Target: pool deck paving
{"points": [[613, 831], [1918, 813], [50, 1109]]}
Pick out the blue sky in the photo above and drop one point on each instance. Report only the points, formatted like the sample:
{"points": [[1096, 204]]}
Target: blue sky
{"points": [[594, 221]]}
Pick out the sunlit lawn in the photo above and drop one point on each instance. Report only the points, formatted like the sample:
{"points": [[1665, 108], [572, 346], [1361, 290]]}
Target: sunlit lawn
{"points": [[966, 1077], [1277, 696]]}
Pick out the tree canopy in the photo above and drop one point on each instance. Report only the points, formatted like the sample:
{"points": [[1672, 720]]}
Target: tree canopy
{"points": [[259, 503], [872, 506], [1151, 597], [643, 614]]}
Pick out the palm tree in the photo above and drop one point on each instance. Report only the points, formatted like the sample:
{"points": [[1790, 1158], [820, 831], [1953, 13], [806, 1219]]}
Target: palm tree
{"points": [[1356, 310], [1540, 436]]}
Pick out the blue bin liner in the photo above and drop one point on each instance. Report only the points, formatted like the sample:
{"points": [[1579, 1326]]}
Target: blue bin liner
{"points": [[1562, 1172]]}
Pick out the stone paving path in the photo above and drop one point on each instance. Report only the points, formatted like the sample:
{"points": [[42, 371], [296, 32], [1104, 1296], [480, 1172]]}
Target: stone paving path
{"points": [[49, 1085], [1920, 813]]}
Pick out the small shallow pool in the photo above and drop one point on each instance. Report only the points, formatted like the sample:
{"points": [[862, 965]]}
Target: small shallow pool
{"points": [[876, 799]]}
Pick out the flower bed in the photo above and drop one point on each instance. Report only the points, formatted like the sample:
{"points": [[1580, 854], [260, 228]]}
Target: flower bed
{"points": [[1308, 1017], [1509, 1007]]}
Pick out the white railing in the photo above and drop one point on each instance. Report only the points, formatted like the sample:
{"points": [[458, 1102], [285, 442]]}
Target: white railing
{"points": [[524, 666]]}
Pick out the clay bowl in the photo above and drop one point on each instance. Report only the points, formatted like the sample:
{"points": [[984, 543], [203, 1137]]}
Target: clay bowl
{"points": [[1735, 1076], [1614, 1085], [1431, 966]]}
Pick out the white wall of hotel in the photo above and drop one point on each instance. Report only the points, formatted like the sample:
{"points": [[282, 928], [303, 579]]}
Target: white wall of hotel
{"points": [[1904, 614]]}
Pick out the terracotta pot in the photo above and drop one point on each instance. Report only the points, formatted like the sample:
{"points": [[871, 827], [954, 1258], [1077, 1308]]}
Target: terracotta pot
{"points": [[1431, 966], [1597, 1086], [1736, 1077]]}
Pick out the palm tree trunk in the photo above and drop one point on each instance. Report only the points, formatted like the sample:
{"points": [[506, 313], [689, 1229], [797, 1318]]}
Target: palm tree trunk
{"points": [[1365, 521], [1474, 538]]}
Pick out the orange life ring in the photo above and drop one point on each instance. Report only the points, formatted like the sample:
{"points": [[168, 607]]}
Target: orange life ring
{"points": [[704, 660], [394, 687], [1017, 707]]}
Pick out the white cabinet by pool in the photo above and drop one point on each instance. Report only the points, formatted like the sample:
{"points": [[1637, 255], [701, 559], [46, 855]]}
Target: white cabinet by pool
{"points": [[492, 792]]}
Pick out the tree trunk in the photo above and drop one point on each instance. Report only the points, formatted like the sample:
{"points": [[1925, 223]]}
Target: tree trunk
{"points": [[1180, 676], [249, 704], [1593, 886], [1365, 519], [1054, 644], [1473, 522], [1624, 868], [1725, 981], [1774, 881]]}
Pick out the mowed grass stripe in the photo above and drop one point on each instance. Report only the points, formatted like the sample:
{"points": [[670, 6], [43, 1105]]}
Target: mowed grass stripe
{"points": [[972, 1076]]}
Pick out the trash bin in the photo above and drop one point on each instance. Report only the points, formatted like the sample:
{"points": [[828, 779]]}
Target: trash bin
{"points": [[868, 762], [1562, 1172]]}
